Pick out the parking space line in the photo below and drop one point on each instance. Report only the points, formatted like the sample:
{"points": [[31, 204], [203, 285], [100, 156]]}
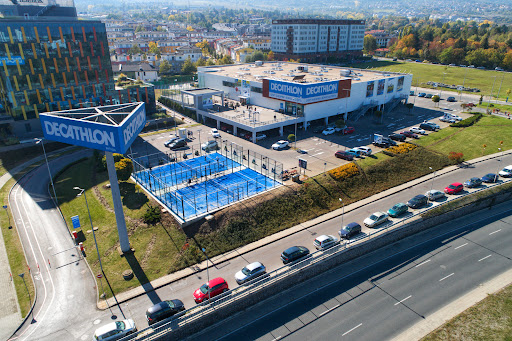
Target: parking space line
{"points": [[397, 303], [461, 246], [481, 259], [359, 325], [450, 275], [422, 263], [494, 232]]}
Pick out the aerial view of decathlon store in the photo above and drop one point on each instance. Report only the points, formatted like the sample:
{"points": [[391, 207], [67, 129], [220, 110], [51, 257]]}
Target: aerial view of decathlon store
{"points": [[247, 99]]}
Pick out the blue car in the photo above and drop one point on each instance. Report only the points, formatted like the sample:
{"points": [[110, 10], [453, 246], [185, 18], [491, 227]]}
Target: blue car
{"points": [[473, 182], [398, 210], [422, 94], [490, 177]]}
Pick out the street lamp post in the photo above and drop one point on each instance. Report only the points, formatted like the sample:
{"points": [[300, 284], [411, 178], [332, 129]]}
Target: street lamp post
{"points": [[207, 273], [432, 185], [22, 275], [48, 166], [82, 191], [499, 165], [199, 133], [490, 97], [442, 82], [342, 211], [463, 82]]}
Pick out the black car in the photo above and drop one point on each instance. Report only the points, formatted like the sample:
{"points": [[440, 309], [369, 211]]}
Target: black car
{"points": [[490, 177], [397, 137], [170, 141], [178, 144], [386, 142], [163, 310], [293, 253], [417, 201], [410, 134], [349, 230], [473, 182], [429, 126], [318, 130]]}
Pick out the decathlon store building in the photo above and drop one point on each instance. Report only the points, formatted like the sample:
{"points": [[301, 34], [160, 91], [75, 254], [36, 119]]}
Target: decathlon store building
{"points": [[280, 94]]}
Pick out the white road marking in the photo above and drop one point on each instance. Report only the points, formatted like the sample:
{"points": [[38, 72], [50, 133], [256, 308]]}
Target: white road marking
{"points": [[422, 263], [450, 275], [277, 338], [397, 303], [461, 246], [359, 325], [481, 259], [317, 154], [328, 310], [494, 232]]}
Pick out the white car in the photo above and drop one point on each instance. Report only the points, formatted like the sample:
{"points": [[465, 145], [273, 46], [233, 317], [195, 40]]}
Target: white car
{"points": [[260, 137], [250, 272], [456, 117], [282, 144], [447, 119], [434, 194], [506, 172], [209, 145], [114, 330], [364, 150], [417, 130], [376, 219], [329, 131], [215, 133], [324, 242]]}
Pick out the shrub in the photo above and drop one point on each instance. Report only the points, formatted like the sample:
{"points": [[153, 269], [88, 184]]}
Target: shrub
{"points": [[456, 157], [467, 122], [291, 138], [344, 172], [124, 169], [152, 215], [403, 148], [117, 158]]}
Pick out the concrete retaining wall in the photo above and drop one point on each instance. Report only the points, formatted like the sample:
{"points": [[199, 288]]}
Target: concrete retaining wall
{"points": [[310, 271]]}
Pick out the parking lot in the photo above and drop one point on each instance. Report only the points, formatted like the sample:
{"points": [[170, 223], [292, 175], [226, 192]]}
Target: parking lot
{"points": [[316, 148]]}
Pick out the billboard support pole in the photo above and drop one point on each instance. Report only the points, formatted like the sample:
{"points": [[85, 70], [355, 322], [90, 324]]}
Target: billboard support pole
{"points": [[118, 206]]}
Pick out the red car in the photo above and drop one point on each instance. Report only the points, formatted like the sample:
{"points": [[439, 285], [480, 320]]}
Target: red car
{"points": [[348, 130], [410, 134], [216, 286], [340, 154], [456, 187]]}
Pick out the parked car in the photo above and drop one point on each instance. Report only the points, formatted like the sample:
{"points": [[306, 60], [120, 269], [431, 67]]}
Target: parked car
{"points": [[385, 142], [349, 230], [490, 177], [397, 137], [417, 201], [318, 129], [328, 131], [473, 182], [179, 143], [215, 287], [455, 117], [429, 126], [422, 94], [114, 330], [163, 310], [398, 210], [355, 152], [209, 145], [260, 136], [454, 188], [498, 69], [506, 172], [215, 133], [417, 130], [429, 96], [481, 68], [294, 253], [250, 272], [364, 150], [324, 242], [347, 130], [410, 134], [341, 154], [376, 219], [281, 144], [411, 93], [170, 141], [447, 119], [451, 99], [434, 194]]}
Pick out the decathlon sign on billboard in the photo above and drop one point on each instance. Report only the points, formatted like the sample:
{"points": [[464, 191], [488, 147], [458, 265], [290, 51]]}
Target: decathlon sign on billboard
{"points": [[304, 93], [65, 127]]}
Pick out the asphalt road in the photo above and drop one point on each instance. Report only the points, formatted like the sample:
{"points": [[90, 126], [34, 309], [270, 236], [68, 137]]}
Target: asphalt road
{"points": [[382, 294]]}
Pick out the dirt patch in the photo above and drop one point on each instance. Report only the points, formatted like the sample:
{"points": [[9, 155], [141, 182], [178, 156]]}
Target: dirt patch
{"points": [[147, 253]]}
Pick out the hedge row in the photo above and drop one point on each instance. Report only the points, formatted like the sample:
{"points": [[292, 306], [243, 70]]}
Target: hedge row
{"points": [[468, 121], [178, 107]]}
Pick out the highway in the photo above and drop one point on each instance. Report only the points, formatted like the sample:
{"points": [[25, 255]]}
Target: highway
{"points": [[382, 294]]}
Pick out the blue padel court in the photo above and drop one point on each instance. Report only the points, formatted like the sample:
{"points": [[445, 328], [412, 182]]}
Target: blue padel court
{"points": [[195, 186]]}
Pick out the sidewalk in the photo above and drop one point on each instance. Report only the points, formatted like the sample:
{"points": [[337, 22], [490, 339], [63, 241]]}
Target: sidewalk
{"points": [[165, 280], [10, 314]]}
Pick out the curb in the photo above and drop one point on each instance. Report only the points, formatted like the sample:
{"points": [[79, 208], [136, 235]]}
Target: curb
{"points": [[219, 259]]}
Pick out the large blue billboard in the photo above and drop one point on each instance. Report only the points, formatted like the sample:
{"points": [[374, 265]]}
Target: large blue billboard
{"points": [[108, 137], [302, 93]]}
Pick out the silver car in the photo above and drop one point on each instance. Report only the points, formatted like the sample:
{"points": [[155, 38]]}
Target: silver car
{"points": [[114, 330], [376, 219], [324, 242], [249, 272], [434, 194]]}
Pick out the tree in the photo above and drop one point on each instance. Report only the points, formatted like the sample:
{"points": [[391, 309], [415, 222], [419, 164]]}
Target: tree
{"points": [[188, 67], [153, 48], [135, 49], [165, 67], [210, 62], [291, 138], [225, 60], [369, 44], [124, 169], [200, 62], [409, 106], [139, 29], [270, 56], [436, 99]]}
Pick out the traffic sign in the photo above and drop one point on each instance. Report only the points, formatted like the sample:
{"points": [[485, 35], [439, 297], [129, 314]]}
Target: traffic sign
{"points": [[99, 275], [303, 163]]}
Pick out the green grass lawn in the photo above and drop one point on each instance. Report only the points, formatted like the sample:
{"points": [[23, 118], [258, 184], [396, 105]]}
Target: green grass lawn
{"points": [[474, 78], [502, 107], [489, 131]]}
